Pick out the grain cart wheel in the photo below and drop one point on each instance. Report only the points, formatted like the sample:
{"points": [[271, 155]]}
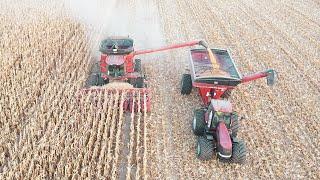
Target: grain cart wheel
{"points": [[137, 65], [204, 148], [235, 126], [239, 152], [186, 84], [198, 123]]}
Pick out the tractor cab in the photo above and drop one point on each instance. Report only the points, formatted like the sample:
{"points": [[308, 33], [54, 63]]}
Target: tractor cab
{"points": [[219, 111]]}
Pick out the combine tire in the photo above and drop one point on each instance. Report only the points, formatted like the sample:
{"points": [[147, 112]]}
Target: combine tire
{"points": [[226, 94], [186, 84], [235, 126], [198, 123], [204, 148], [139, 82], [100, 81], [137, 65]]}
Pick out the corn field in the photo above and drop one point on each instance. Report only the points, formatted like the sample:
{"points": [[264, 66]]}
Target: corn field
{"points": [[48, 131]]}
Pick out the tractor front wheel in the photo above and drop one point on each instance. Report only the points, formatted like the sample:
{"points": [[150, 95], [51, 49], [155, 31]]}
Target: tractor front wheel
{"points": [[186, 84], [239, 152], [204, 148], [198, 124]]}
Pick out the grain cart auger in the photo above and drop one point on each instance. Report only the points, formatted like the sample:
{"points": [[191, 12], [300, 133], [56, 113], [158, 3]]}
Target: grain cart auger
{"points": [[214, 74], [118, 70]]}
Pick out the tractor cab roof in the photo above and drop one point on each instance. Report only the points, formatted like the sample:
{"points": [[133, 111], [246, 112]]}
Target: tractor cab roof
{"points": [[221, 105]]}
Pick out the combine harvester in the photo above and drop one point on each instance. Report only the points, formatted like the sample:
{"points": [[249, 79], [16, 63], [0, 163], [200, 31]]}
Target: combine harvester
{"points": [[118, 70], [214, 74]]}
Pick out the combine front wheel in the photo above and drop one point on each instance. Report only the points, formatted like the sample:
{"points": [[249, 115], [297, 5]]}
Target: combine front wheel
{"points": [[204, 148], [186, 84], [137, 65]]}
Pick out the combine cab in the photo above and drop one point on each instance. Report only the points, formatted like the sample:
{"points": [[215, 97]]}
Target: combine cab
{"points": [[118, 70], [214, 74]]}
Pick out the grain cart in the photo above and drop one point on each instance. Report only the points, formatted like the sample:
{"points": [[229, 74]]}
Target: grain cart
{"points": [[118, 64], [214, 74]]}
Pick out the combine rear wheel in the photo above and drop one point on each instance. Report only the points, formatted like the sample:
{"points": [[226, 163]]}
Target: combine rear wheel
{"points": [[186, 84], [204, 148], [198, 124]]}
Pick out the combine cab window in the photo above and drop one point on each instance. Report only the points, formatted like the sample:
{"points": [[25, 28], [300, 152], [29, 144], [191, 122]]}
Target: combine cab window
{"points": [[116, 70]]}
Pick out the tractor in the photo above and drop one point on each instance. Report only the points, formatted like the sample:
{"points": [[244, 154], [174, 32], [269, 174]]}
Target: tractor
{"points": [[214, 73], [118, 64]]}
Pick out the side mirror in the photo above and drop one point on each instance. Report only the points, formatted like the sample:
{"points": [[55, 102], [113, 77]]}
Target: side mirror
{"points": [[271, 78]]}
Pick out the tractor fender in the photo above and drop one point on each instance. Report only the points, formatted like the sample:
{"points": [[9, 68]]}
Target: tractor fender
{"points": [[224, 143]]}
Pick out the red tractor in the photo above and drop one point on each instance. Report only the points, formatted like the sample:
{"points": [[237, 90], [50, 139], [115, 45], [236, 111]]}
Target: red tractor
{"points": [[117, 64], [214, 74]]}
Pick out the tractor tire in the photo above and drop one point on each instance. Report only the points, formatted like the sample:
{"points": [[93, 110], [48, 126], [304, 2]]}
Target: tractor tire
{"points": [[204, 148], [239, 152], [186, 84], [235, 126], [139, 82], [137, 65], [226, 94], [198, 123]]}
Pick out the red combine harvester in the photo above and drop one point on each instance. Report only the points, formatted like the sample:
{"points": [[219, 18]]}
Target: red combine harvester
{"points": [[214, 74], [118, 64]]}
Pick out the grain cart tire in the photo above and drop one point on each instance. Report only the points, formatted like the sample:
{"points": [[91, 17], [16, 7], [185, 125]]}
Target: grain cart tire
{"points": [[235, 126], [137, 65], [239, 152], [204, 148], [198, 123], [186, 84], [226, 94]]}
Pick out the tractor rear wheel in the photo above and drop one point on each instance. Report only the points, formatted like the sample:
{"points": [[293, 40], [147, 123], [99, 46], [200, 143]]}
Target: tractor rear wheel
{"points": [[186, 84], [198, 124], [235, 126], [204, 148], [137, 65]]}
